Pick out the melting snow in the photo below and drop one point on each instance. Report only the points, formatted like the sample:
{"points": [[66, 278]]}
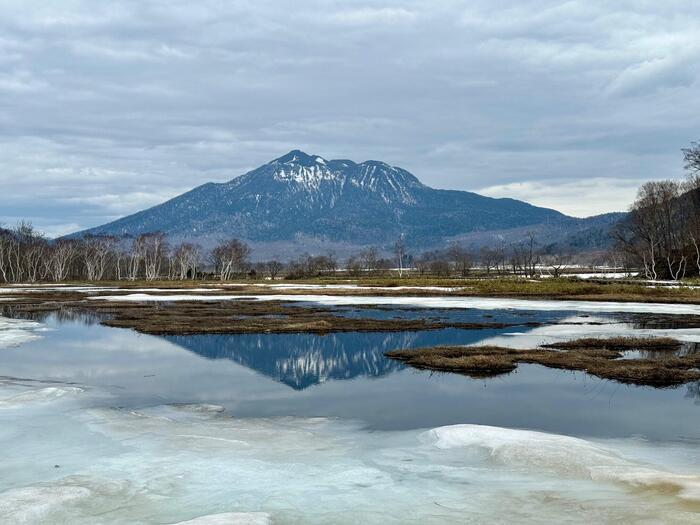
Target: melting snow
{"points": [[14, 332], [230, 518], [576, 327], [190, 465], [29, 397], [479, 303], [301, 286], [563, 456]]}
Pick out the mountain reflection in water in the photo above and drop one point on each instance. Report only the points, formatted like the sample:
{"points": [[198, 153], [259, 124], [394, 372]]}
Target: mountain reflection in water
{"points": [[303, 360]]}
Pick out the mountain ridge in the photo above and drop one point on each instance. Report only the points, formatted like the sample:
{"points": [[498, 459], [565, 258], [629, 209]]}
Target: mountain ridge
{"points": [[337, 202]]}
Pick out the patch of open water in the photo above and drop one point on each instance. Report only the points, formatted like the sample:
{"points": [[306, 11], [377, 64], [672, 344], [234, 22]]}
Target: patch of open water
{"points": [[318, 429]]}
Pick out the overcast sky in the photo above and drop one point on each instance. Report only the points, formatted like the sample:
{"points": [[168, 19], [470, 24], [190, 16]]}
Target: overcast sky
{"points": [[108, 107]]}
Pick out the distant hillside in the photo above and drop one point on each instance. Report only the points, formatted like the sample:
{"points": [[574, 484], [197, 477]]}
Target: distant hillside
{"points": [[302, 202]]}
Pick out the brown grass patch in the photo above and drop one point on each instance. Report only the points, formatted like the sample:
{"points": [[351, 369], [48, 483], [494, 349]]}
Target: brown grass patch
{"points": [[223, 316], [620, 344], [603, 362]]}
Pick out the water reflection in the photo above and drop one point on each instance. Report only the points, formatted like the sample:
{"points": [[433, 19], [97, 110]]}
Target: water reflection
{"points": [[62, 315], [660, 321], [343, 376], [693, 392], [686, 348], [303, 360], [465, 315]]}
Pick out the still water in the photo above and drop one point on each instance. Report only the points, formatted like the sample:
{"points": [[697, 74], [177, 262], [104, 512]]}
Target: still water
{"points": [[103, 425]]}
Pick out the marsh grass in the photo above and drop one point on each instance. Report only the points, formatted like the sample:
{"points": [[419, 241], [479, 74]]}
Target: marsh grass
{"points": [[600, 358], [620, 344], [226, 316], [513, 287]]}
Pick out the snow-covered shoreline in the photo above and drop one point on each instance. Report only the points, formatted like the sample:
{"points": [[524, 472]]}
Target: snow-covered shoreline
{"points": [[479, 303]]}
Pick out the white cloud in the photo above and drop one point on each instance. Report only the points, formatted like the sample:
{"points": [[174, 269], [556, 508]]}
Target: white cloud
{"points": [[20, 81], [125, 203], [577, 198], [383, 15], [58, 230], [657, 73], [137, 100]]}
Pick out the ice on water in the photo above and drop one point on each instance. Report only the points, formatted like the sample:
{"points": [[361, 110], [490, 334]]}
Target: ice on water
{"points": [[479, 303], [14, 332], [197, 464], [38, 395], [230, 518], [575, 327], [69, 455], [563, 456]]}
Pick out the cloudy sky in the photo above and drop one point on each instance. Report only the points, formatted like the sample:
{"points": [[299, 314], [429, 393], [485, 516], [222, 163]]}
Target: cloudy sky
{"points": [[108, 107]]}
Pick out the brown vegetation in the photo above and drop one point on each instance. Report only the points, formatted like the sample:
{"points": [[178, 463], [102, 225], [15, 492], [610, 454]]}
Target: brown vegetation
{"points": [[619, 344], [601, 358], [224, 316], [661, 234]]}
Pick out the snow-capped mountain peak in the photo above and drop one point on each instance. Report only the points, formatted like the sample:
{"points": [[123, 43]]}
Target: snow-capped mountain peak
{"points": [[313, 174], [298, 157], [298, 197]]}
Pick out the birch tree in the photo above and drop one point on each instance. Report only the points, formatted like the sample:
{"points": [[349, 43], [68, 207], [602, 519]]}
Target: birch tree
{"points": [[231, 258], [6, 241], [154, 247], [400, 253], [186, 259], [61, 257], [97, 250]]}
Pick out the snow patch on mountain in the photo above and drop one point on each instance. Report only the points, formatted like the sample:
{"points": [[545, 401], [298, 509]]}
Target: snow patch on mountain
{"points": [[335, 204]]}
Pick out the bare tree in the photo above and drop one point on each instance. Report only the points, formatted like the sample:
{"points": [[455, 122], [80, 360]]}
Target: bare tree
{"points": [[691, 204], [489, 259], [400, 253], [525, 256], [15, 263], [154, 249], [440, 267], [136, 257], [658, 229], [120, 259], [6, 241], [691, 157], [422, 264], [26, 256], [231, 258], [96, 251], [274, 267], [30, 252], [186, 258], [61, 256], [556, 263], [354, 266], [460, 258], [370, 258], [330, 263], [307, 265]]}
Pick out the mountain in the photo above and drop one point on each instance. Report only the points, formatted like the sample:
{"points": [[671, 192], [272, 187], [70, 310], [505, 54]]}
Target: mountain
{"points": [[305, 202]]}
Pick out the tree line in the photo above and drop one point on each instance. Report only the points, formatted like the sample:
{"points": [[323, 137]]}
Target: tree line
{"points": [[26, 256], [526, 257], [661, 234]]}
